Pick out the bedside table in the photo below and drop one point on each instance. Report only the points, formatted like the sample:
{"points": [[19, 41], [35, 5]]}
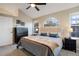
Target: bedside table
{"points": [[69, 44]]}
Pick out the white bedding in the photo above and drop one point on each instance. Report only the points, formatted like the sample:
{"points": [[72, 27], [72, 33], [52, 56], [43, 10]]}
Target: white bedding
{"points": [[58, 49], [58, 41]]}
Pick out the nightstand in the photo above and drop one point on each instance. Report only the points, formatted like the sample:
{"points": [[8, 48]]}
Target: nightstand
{"points": [[69, 44]]}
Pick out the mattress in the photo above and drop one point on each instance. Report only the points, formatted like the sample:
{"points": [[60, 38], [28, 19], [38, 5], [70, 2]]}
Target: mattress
{"points": [[41, 45]]}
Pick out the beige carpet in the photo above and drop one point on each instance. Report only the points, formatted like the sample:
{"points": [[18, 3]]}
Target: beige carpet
{"points": [[69, 53], [13, 51]]}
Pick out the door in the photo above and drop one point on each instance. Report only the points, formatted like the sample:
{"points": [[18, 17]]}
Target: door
{"points": [[6, 25]]}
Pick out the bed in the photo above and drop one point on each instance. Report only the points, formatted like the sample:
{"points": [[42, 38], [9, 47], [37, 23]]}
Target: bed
{"points": [[41, 45]]}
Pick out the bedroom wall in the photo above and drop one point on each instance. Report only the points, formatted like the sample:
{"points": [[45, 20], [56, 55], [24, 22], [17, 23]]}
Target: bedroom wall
{"points": [[17, 14], [20, 16], [24, 18], [8, 10], [7, 13], [62, 16]]}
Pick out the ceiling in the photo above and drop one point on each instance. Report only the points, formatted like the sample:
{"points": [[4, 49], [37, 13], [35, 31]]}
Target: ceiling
{"points": [[44, 10]]}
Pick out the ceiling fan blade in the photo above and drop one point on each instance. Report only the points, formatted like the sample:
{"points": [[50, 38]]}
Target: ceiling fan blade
{"points": [[36, 8], [40, 3], [28, 7]]}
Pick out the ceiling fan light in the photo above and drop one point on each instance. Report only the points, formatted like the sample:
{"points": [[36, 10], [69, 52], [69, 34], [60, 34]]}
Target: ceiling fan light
{"points": [[32, 5]]}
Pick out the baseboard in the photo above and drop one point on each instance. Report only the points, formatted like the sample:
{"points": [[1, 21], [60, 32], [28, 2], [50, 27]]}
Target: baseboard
{"points": [[6, 45]]}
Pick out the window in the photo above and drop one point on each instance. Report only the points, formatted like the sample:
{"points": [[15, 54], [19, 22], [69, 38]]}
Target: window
{"points": [[36, 27], [75, 20], [75, 25]]}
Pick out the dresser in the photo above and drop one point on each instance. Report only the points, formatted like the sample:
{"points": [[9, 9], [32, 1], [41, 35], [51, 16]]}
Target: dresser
{"points": [[19, 32]]}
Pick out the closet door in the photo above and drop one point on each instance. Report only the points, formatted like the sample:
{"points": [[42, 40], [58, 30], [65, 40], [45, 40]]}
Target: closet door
{"points": [[6, 26]]}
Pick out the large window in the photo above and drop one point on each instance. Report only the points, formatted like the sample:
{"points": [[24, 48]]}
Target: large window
{"points": [[75, 25], [75, 20]]}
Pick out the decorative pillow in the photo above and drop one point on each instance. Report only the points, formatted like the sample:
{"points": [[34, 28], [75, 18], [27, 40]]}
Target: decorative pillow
{"points": [[53, 35], [43, 34], [34, 34]]}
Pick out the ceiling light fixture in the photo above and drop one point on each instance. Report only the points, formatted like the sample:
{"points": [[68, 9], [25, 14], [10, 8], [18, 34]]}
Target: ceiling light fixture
{"points": [[32, 5]]}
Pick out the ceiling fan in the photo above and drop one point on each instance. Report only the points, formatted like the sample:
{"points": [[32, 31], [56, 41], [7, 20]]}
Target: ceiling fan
{"points": [[35, 5]]}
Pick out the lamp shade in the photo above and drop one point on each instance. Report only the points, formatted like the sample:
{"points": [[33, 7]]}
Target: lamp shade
{"points": [[70, 30]]}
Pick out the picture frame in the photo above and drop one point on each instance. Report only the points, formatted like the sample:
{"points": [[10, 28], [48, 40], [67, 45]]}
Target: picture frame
{"points": [[51, 22]]}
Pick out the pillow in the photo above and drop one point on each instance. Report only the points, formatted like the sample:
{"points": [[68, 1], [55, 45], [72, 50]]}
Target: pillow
{"points": [[43, 34], [53, 35], [34, 34]]}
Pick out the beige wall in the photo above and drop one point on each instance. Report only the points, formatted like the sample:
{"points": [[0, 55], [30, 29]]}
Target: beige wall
{"points": [[17, 14], [10, 11], [62, 16], [21, 16], [24, 18]]}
